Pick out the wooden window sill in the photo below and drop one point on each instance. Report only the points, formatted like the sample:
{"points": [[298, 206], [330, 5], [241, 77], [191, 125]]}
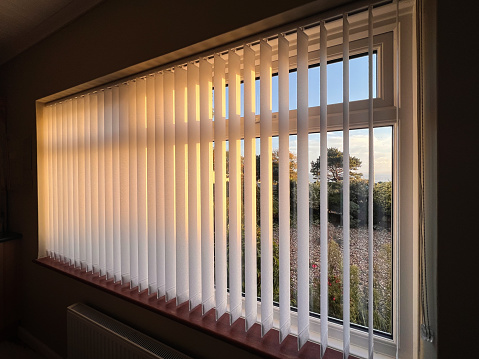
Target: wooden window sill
{"points": [[267, 347]]}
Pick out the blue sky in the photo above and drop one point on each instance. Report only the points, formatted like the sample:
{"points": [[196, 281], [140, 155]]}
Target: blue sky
{"points": [[359, 139]]}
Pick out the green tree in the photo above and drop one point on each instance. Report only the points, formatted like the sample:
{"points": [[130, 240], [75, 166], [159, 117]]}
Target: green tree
{"points": [[335, 166]]}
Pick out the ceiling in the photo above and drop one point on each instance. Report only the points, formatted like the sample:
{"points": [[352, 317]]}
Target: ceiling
{"points": [[23, 23]]}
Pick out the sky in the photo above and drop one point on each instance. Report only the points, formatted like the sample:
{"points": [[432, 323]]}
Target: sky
{"points": [[359, 139]]}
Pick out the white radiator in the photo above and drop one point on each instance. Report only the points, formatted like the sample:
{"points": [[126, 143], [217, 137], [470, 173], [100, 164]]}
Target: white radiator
{"points": [[92, 335]]}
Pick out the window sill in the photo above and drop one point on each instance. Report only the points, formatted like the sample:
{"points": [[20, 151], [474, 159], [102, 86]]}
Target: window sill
{"points": [[267, 347]]}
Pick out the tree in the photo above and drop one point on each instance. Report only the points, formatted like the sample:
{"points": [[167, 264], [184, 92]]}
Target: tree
{"points": [[293, 166], [335, 166]]}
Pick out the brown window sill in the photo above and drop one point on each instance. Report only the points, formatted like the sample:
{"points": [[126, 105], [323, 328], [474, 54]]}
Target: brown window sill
{"points": [[267, 347]]}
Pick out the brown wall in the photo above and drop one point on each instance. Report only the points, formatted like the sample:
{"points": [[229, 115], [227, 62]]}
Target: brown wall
{"points": [[115, 35], [118, 34]]}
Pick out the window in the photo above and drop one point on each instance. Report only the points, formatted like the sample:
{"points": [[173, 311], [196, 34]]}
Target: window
{"points": [[212, 182]]}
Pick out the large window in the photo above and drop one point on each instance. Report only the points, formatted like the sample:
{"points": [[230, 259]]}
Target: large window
{"points": [[260, 181]]}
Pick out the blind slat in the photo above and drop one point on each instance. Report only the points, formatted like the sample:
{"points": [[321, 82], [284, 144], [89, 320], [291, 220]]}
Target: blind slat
{"points": [[207, 177], [170, 200], [303, 191], [251, 291], [141, 185], [160, 185], [181, 172], [234, 135], [194, 202], [81, 181], [64, 184], [69, 169], [284, 189], [95, 230], [151, 183], [370, 189], [220, 185], [124, 157], [323, 58], [116, 183], [266, 187], [88, 187], [109, 187], [133, 188], [346, 258], [101, 183]]}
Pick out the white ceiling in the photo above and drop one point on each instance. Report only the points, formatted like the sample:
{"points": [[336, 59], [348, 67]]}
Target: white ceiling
{"points": [[23, 23]]}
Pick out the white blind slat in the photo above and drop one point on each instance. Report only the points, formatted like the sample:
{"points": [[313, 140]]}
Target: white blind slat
{"points": [[64, 184], [160, 185], [346, 258], [69, 168], [124, 155], [323, 58], [303, 191], [220, 185], [95, 228], [181, 175], [101, 183], [234, 135], [251, 290], [194, 202], [284, 198], [170, 200], [76, 185], [51, 204], [207, 177], [141, 123], [116, 183], [108, 186], [151, 183], [133, 174], [266, 187], [370, 189], [81, 181], [88, 186]]}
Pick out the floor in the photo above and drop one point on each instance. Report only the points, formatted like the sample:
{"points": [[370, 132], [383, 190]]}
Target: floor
{"points": [[15, 349]]}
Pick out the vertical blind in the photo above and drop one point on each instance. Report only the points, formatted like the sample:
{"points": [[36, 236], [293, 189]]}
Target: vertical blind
{"points": [[135, 182]]}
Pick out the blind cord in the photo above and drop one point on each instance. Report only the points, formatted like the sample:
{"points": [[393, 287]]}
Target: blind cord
{"points": [[426, 331]]}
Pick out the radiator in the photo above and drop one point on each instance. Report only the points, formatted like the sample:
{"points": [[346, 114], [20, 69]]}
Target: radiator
{"points": [[92, 334]]}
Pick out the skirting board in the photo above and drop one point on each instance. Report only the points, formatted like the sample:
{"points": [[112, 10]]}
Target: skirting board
{"points": [[36, 344]]}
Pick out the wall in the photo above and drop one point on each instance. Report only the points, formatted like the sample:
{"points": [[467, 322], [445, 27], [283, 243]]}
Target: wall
{"points": [[457, 133], [115, 35]]}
